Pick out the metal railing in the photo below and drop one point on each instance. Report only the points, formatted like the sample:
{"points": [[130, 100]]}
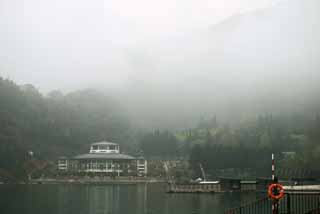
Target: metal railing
{"points": [[291, 203]]}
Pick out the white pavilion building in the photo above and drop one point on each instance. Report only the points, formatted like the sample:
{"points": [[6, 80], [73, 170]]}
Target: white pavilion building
{"points": [[104, 158]]}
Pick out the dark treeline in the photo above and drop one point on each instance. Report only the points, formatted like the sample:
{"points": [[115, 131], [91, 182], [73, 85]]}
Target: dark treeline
{"points": [[245, 149], [159, 144], [294, 139], [217, 158], [57, 124], [54, 125]]}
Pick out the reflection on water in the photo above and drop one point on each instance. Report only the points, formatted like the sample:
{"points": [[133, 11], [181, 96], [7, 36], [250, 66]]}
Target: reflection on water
{"points": [[112, 199]]}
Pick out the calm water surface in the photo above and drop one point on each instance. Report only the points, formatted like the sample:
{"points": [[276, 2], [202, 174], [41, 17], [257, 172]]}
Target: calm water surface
{"points": [[112, 199]]}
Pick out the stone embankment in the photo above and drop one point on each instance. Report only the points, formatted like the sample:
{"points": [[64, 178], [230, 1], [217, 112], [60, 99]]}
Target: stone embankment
{"points": [[97, 180]]}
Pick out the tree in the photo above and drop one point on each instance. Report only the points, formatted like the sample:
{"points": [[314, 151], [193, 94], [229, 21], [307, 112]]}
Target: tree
{"points": [[163, 144]]}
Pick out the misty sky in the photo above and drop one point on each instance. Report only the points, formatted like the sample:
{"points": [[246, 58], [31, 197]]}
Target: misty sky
{"points": [[72, 44], [169, 62]]}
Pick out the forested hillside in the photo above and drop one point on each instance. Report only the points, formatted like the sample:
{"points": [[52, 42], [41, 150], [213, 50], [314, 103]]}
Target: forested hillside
{"points": [[244, 150], [54, 125], [247, 147]]}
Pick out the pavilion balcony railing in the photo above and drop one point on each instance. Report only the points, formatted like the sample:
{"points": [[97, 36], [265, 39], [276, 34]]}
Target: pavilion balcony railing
{"points": [[291, 203]]}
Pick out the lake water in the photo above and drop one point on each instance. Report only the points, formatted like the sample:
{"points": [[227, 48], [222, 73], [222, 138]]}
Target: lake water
{"points": [[112, 199]]}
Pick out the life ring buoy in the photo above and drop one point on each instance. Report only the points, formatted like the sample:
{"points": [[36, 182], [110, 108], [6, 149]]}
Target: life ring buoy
{"points": [[280, 190]]}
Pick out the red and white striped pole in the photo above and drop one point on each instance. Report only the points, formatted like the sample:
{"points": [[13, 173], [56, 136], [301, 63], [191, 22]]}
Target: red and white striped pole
{"points": [[273, 168], [274, 203]]}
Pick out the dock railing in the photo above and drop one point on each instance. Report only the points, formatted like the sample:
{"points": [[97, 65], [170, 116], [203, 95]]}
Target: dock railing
{"points": [[291, 203]]}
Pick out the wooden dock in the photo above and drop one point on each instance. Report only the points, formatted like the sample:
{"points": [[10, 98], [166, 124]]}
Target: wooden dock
{"points": [[302, 188], [234, 185], [222, 185]]}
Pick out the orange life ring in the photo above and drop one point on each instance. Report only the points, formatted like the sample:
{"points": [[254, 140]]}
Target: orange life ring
{"points": [[279, 188]]}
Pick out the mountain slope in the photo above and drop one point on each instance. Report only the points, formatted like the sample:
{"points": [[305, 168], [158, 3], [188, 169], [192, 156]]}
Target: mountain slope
{"points": [[257, 62]]}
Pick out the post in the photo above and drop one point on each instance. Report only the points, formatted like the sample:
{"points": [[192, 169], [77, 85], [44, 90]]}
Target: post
{"points": [[275, 207], [272, 168], [288, 204], [318, 202]]}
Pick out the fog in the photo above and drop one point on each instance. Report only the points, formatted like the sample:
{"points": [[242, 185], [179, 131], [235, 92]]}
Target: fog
{"points": [[170, 62]]}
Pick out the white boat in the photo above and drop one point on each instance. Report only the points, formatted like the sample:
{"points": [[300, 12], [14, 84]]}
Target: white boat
{"points": [[209, 182]]}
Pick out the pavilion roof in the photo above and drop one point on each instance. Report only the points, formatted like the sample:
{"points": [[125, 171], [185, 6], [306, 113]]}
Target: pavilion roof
{"points": [[108, 156]]}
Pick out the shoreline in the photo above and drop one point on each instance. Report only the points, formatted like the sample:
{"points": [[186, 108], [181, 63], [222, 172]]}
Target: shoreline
{"points": [[96, 181]]}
